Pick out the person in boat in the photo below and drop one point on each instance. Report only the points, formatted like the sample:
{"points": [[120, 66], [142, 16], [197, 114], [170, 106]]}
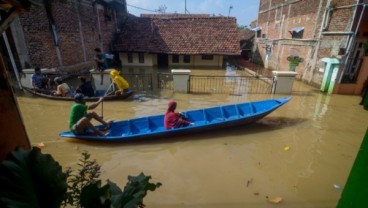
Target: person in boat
{"points": [[80, 118], [120, 82], [85, 87], [62, 88], [100, 60], [174, 119], [40, 81]]}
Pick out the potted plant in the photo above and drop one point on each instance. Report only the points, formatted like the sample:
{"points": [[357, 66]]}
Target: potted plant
{"points": [[294, 62]]}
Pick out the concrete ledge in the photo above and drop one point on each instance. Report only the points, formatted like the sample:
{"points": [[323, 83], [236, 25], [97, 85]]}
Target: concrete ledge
{"points": [[180, 71], [284, 73]]}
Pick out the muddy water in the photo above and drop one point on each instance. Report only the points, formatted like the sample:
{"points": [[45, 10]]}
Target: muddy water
{"points": [[239, 167]]}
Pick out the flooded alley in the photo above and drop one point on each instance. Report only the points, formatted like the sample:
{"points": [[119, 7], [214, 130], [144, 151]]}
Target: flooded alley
{"points": [[302, 152]]}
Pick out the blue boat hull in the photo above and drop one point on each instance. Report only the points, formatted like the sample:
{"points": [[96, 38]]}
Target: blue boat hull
{"points": [[205, 120]]}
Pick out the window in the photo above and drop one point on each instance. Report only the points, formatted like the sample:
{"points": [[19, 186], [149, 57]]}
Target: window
{"points": [[259, 33], [207, 57], [130, 58], [175, 58], [297, 32], [141, 57], [186, 58]]}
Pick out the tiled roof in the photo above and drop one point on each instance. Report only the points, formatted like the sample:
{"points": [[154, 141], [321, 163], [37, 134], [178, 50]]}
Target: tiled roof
{"points": [[179, 34], [246, 34]]}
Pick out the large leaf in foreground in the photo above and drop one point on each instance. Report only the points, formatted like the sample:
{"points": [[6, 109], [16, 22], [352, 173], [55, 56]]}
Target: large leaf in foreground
{"points": [[29, 178]]}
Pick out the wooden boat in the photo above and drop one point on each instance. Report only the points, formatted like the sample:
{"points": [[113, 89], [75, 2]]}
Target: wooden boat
{"points": [[204, 120], [99, 94]]}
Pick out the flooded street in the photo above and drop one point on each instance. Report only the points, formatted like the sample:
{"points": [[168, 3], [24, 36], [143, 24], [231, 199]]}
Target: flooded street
{"points": [[238, 167]]}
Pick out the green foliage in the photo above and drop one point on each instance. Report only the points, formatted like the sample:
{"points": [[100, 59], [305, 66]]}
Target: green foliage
{"points": [[241, 27], [366, 48], [110, 195], [294, 59], [88, 173], [29, 178], [85, 190]]}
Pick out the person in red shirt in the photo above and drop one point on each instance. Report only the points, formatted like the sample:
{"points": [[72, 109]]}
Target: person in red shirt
{"points": [[173, 119]]}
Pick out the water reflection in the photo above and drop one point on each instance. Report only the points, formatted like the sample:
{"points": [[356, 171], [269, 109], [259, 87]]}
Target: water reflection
{"points": [[323, 132]]}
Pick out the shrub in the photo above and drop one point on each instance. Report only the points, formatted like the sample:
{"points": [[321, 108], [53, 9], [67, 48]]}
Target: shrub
{"points": [[29, 178]]}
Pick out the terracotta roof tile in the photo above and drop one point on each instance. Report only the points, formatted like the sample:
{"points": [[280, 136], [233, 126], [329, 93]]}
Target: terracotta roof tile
{"points": [[246, 34], [179, 34]]}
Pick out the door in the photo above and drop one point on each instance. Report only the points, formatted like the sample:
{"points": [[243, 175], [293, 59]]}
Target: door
{"points": [[354, 61], [162, 60]]}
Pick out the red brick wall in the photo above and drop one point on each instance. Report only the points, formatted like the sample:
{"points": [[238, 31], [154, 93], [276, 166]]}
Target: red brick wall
{"points": [[38, 37], [78, 31], [341, 19], [264, 4], [305, 14]]}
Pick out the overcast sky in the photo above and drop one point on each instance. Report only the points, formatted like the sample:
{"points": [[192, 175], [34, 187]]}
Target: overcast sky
{"points": [[245, 11]]}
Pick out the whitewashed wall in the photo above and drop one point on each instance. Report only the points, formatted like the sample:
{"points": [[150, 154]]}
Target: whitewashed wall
{"points": [[151, 60]]}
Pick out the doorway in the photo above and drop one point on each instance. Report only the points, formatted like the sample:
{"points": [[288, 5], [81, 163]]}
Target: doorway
{"points": [[162, 60], [354, 62]]}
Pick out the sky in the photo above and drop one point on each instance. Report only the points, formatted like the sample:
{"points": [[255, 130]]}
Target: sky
{"points": [[245, 11]]}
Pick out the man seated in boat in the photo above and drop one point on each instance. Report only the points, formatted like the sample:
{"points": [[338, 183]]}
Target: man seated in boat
{"points": [[86, 87], [174, 119], [80, 119], [40, 81], [120, 82], [62, 88]]}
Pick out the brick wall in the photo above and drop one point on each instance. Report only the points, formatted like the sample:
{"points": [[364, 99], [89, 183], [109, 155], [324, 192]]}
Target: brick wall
{"points": [[80, 26], [277, 19]]}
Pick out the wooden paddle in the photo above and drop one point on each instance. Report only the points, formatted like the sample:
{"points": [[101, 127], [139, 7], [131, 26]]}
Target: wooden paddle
{"points": [[105, 96]]}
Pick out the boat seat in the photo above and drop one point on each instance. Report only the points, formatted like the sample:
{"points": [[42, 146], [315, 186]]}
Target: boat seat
{"points": [[230, 112], [214, 115]]}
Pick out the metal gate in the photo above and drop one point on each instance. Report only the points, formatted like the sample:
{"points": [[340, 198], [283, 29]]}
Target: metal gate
{"points": [[236, 85]]}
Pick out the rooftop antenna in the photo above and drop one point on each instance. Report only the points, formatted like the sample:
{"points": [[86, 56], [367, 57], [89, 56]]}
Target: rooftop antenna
{"points": [[231, 7]]}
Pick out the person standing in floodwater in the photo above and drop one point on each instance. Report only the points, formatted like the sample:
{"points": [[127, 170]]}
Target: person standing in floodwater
{"points": [[100, 60]]}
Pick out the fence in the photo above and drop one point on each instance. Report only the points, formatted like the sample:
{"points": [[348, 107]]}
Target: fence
{"points": [[139, 82], [206, 84], [236, 85], [165, 81]]}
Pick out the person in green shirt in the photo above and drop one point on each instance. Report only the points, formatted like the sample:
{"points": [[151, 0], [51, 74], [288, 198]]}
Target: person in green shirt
{"points": [[80, 118]]}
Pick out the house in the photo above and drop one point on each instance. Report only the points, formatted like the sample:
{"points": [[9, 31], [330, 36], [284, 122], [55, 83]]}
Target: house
{"points": [[63, 34], [319, 31], [246, 42], [177, 40]]}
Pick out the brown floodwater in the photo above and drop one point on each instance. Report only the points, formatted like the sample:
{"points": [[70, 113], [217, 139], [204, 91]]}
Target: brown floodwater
{"points": [[237, 167]]}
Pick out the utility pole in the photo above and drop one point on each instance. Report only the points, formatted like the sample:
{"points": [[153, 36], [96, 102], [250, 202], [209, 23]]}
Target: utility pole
{"points": [[185, 6]]}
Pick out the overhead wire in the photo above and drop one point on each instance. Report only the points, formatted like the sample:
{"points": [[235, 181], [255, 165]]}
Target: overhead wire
{"points": [[149, 10], [142, 8]]}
